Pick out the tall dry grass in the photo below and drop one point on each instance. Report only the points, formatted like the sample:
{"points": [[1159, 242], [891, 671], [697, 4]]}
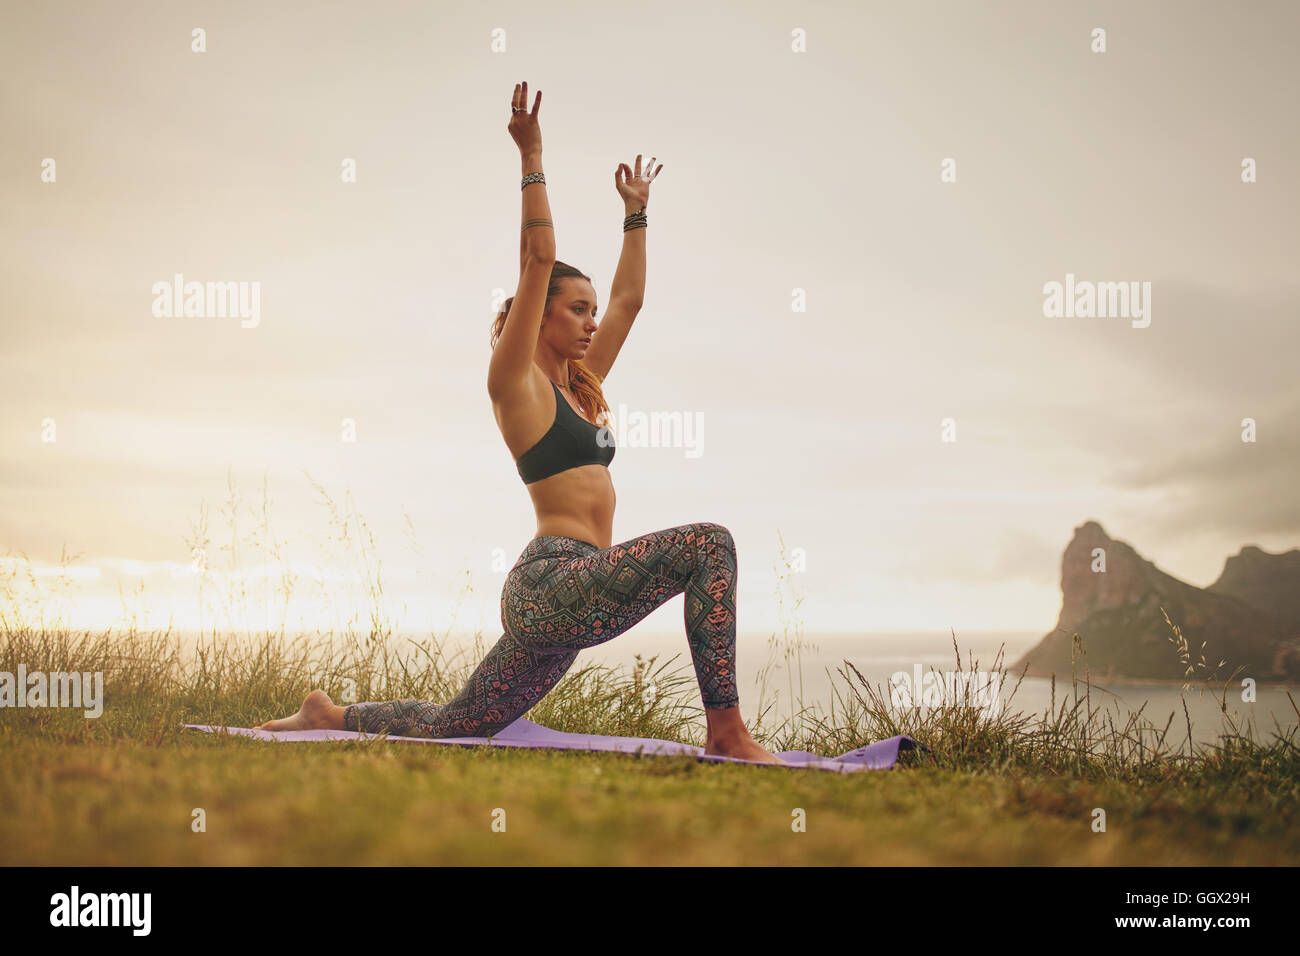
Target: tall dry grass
{"points": [[241, 677]]}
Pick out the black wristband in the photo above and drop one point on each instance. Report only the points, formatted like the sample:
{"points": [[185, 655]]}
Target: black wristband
{"points": [[636, 220]]}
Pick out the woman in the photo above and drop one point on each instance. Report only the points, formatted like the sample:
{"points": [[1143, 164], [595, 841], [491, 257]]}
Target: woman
{"points": [[570, 589]]}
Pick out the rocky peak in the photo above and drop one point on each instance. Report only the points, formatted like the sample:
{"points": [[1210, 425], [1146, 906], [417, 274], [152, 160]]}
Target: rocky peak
{"points": [[1116, 601], [1270, 582], [1085, 589]]}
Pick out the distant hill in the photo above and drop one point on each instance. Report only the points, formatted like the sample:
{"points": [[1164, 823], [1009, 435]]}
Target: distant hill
{"points": [[1270, 582], [1249, 617]]}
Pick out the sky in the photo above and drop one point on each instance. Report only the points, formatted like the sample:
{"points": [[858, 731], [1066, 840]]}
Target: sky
{"points": [[850, 244]]}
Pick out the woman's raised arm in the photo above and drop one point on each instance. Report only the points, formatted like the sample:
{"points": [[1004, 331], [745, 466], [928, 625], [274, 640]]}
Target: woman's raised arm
{"points": [[513, 353]]}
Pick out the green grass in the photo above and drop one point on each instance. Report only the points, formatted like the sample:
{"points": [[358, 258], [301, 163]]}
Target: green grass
{"points": [[131, 803], [1013, 788]]}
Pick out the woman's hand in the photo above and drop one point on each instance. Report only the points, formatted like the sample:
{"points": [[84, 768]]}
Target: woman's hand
{"points": [[523, 125], [633, 187]]}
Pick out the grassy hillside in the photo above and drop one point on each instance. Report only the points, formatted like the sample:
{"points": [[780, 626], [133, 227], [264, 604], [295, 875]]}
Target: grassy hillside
{"points": [[131, 786], [1010, 789]]}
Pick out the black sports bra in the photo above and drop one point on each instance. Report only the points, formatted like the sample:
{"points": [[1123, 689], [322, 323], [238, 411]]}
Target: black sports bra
{"points": [[572, 441]]}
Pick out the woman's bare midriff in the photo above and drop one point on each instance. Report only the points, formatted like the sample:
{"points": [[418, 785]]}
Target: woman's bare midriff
{"points": [[577, 503], [574, 503]]}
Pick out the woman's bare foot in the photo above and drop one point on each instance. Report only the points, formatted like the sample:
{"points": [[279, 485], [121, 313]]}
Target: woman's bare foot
{"points": [[318, 713], [727, 736], [746, 748]]}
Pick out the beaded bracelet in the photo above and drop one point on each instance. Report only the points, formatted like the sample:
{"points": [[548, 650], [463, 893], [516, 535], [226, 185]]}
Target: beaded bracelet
{"points": [[533, 178]]}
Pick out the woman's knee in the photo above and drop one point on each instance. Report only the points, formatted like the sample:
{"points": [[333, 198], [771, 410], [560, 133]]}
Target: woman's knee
{"points": [[715, 536]]}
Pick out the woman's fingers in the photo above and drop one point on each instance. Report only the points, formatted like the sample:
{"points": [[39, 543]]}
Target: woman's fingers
{"points": [[537, 100], [650, 171], [519, 100]]}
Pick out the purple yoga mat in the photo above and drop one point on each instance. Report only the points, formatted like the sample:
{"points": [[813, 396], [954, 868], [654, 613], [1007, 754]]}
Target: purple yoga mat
{"points": [[881, 755]]}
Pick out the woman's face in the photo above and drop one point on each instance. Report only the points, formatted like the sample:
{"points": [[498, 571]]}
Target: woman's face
{"points": [[571, 320]]}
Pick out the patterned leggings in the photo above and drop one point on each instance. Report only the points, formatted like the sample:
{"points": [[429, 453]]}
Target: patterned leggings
{"points": [[564, 595]]}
